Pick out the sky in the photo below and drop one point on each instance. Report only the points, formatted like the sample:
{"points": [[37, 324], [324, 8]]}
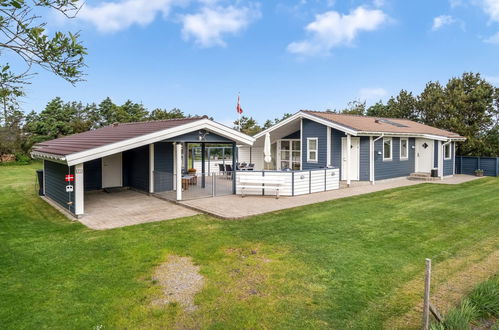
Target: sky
{"points": [[281, 56]]}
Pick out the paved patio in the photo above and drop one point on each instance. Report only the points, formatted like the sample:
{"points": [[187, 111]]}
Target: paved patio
{"points": [[119, 209], [236, 207]]}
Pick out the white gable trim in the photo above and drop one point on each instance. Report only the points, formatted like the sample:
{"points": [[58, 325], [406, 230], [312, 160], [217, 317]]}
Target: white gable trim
{"points": [[146, 139], [301, 115]]}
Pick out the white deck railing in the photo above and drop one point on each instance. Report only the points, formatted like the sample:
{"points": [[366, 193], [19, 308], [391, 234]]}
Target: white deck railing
{"points": [[295, 182]]}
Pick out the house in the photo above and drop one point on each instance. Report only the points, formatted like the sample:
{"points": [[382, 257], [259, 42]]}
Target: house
{"points": [[379, 148], [151, 157]]}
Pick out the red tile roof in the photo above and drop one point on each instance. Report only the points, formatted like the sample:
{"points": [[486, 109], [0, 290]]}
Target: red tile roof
{"points": [[107, 135], [382, 125]]}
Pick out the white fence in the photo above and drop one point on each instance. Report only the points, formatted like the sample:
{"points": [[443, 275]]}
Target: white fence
{"points": [[294, 182]]}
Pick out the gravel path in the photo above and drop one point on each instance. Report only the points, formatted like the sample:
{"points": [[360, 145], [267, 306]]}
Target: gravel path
{"points": [[180, 281]]}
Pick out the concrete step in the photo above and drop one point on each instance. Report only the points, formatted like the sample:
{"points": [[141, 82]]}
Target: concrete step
{"points": [[421, 175]]}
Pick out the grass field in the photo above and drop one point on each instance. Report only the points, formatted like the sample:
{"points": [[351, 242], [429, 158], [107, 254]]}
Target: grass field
{"points": [[340, 264]]}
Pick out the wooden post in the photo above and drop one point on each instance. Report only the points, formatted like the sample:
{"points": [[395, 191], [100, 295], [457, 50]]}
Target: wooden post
{"points": [[426, 302]]}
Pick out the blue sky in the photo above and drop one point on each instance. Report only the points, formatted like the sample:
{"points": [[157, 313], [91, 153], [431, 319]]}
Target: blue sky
{"points": [[281, 56]]}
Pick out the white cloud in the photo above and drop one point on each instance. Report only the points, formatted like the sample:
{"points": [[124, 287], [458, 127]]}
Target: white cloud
{"points": [[332, 29], [491, 8], [456, 3], [210, 25], [493, 39], [115, 16], [372, 94], [441, 21]]}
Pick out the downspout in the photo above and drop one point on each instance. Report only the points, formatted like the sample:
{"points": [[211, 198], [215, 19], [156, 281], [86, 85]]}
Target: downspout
{"points": [[371, 161], [442, 157]]}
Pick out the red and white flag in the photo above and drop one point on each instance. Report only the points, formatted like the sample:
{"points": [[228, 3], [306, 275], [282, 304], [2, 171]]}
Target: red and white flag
{"points": [[238, 107]]}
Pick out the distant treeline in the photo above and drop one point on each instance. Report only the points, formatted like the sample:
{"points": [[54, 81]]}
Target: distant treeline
{"points": [[468, 105]]}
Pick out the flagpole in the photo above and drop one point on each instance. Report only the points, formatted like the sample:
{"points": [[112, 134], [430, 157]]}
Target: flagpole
{"points": [[239, 112]]}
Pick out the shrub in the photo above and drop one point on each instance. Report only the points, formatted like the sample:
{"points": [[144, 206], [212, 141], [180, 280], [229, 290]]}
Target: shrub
{"points": [[22, 158], [485, 297], [482, 303]]}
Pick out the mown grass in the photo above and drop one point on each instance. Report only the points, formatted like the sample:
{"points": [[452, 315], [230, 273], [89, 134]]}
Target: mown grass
{"points": [[319, 266]]}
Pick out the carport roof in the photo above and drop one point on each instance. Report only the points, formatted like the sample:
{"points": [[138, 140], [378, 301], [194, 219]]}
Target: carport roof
{"points": [[109, 134], [122, 136]]}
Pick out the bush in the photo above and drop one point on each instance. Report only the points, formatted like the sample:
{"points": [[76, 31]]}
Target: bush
{"points": [[22, 158], [481, 304], [486, 298]]}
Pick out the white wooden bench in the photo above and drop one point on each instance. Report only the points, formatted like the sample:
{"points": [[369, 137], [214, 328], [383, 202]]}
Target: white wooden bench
{"points": [[260, 182]]}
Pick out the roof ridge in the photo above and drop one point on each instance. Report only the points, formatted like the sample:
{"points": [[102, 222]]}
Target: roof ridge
{"points": [[354, 115], [157, 120]]}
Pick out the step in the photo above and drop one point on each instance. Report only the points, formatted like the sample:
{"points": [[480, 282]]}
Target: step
{"points": [[422, 178], [421, 175]]}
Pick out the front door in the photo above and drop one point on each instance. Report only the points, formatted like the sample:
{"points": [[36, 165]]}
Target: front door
{"points": [[354, 158], [111, 171], [424, 155]]}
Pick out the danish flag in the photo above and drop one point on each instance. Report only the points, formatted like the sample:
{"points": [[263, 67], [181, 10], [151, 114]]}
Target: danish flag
{"points": [[69, 177], [238, 107]]}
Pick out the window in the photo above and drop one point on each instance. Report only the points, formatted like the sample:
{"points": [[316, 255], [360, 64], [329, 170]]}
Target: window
{"points": [[404, 149], [387, 149], [289, 154], [447, 151], [312, 150]]}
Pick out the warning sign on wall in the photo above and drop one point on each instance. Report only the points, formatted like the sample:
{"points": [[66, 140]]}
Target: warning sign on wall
{"points": [[69, 177]]}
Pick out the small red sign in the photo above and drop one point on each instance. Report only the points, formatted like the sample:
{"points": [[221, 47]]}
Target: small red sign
{"points": [[70, 177]]}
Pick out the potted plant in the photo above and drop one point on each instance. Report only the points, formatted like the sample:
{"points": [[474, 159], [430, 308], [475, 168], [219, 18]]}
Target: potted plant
{"points": [[192, 171], [479, 172]]}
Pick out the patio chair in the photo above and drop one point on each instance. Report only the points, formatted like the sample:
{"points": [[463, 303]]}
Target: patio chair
{"points": [[250, 167], [243, 165], [228, 170], [221, 168]]}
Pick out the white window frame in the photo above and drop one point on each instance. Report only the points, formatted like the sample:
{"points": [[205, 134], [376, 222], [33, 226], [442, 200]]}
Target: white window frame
{"points": [[450, 151], [310, 160], [291, 150], [391, 149], [406, 157]]}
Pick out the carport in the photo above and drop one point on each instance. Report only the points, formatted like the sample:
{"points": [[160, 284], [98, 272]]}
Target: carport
{"points": [[146, 157]]}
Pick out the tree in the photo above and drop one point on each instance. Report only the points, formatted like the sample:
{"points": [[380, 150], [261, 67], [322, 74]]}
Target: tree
{"points": [[25, 36], [467, 105], [355, 108], [269, 123], [247, 125], [162, 114], [377, 110]]}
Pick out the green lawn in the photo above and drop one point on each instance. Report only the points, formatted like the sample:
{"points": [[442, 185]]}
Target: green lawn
{"points": [[339, 264]]}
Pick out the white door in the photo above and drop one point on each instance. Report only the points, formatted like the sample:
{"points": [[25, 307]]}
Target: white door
{"points": [[354, 158], [424, 155], [111, 171]]}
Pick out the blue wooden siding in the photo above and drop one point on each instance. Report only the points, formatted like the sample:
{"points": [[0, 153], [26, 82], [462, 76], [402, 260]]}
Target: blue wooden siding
{"points": [[364, 159], [295, 135], [163, 163], [92, 174], [194, 137], [336, 136], [449, 163], [136, 168], [395, 167], [312, 129], [55, 185]]}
